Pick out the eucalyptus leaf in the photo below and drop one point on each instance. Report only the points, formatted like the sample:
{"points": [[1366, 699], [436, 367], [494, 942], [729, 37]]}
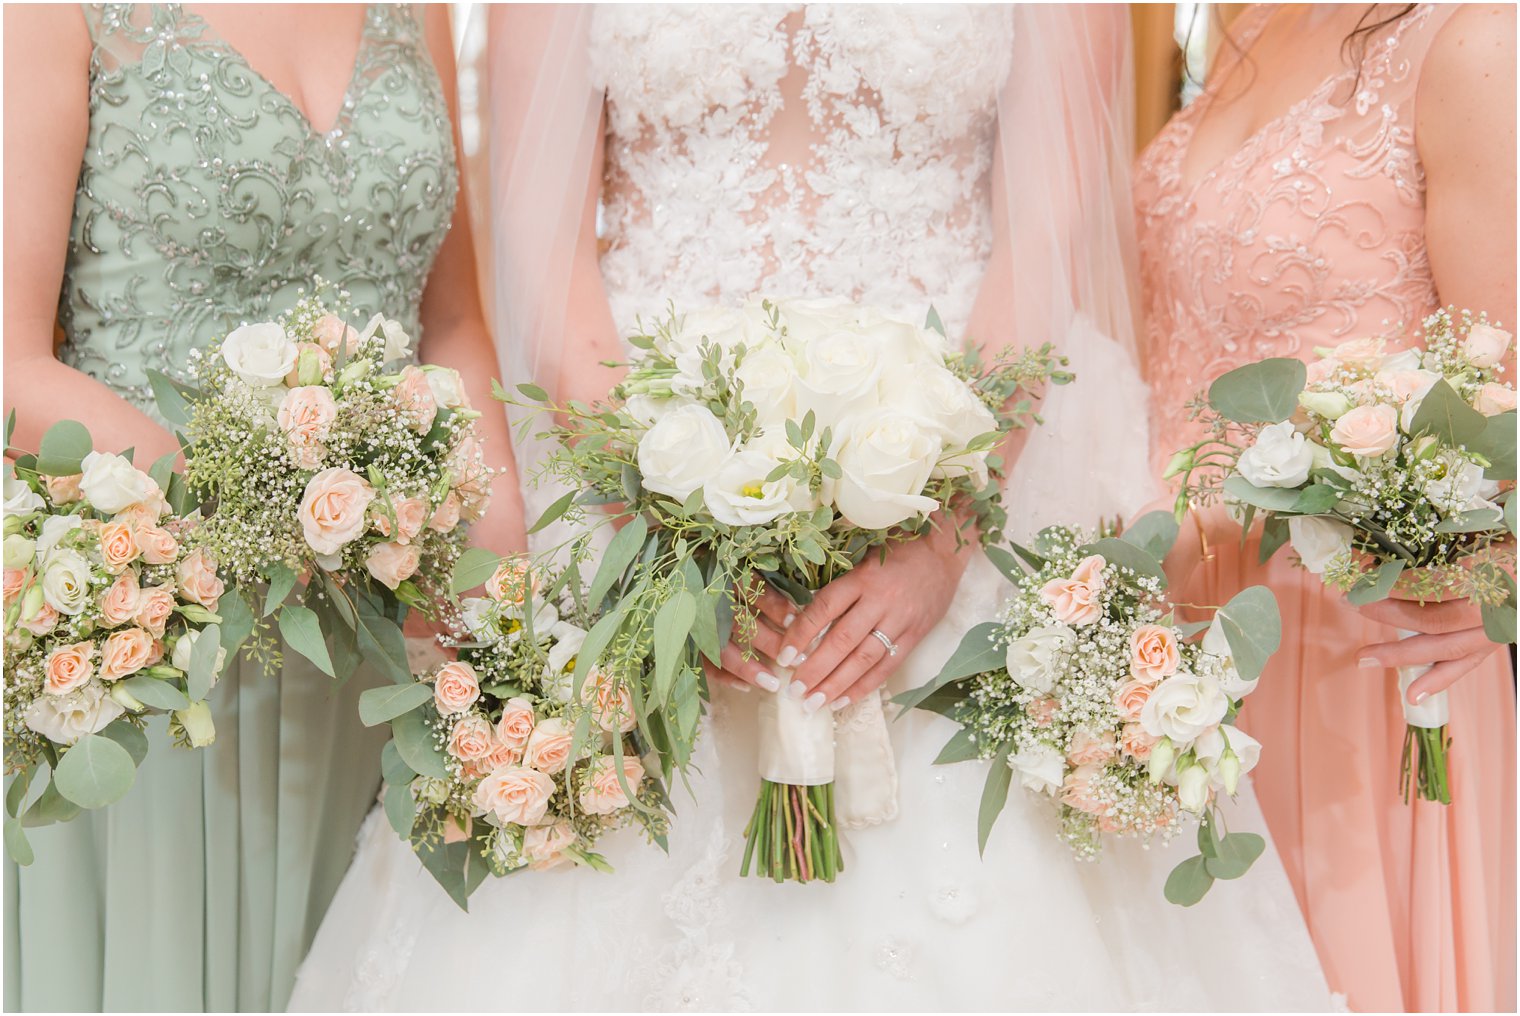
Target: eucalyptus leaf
{"points": [[672, 623], [203, 671], [1154, 532], [1123, 554], [129, 736], [1277, 499], [977, 654], [95, 772], [381, 640], [15, 793], [414, 743], [620, 553], [1189, 882], [1252, 626], [1499, 618], [554, 511], [1480, 520], [400, 808], [533, 392], [961, 747], [994, 797], [281, 581], [475, 566], [1316, 499], [1446, 416], [152, 691], [16, 845], [63, 448], [385, 703], [1497, 445], [1275, 532], [50, 807], [301, 632], [1263, 392], [1235, 855], [1005, 563], [1377, 584], [173, 406]]}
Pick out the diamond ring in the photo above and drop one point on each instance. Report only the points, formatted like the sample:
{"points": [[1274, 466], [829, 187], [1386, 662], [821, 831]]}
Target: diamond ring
{"points": [[882, 638]]}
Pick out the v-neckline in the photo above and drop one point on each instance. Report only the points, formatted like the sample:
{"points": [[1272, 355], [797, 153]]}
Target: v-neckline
{"points": [[345, 101]]}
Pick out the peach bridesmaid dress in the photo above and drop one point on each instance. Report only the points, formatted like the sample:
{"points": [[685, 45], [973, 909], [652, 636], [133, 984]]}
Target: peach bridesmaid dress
{"points": [[1309, 234]]}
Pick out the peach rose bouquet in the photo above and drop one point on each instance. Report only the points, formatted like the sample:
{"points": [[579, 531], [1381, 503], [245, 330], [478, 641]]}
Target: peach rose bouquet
{"points": [[1092, 694], [323, 454], [504, 759], [1387, 470], [110, 618]]}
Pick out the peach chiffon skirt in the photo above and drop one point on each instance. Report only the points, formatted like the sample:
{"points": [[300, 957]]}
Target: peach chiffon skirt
{"points": [[1412, 907]]}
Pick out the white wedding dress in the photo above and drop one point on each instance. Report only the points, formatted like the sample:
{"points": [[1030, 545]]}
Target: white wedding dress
{"points": [[888, 202]]}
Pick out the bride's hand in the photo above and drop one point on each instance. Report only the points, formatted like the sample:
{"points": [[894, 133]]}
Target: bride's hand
{"points": [[1453, 643], [748, 663]]}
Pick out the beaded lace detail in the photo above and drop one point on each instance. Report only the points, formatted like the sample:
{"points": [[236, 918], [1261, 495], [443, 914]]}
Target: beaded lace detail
{"points": [[207, 198]]}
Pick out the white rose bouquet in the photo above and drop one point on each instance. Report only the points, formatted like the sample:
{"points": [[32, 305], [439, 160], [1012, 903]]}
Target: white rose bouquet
{"points": [[496, 763], [786, 439], [1090, 692], [109, 618], [1389, 472], [322, 455]]}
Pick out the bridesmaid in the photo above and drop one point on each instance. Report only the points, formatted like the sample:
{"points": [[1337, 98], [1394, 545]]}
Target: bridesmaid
{"points": [[1348, 169], [207, 193]]}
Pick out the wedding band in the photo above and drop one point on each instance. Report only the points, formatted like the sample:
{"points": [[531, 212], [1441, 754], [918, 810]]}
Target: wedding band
{"points": [[891, 646]]}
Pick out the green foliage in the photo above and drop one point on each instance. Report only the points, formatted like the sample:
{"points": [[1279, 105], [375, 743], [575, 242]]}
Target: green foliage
{"points": [[1263, 392]]}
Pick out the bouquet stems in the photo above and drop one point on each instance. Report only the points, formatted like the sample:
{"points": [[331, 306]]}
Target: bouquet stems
{"points": [[1424, 769], [792, 835]]}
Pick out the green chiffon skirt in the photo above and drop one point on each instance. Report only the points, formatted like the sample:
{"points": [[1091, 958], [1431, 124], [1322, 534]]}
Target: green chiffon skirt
{"points": [[201, 889]]}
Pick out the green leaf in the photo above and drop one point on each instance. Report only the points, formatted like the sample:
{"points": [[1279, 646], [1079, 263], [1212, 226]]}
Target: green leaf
{"points": [[130, 737], [1499, 618], [1509, 512], [63, 449], [994, 797], [554, 511], [1446, 416], [450, 864], [1478, 521], [1253, 627], [152, 691], [379, 705], [203, 673], [1264, 392], [1274, 533], [1189, 882], [977, 654], [961, 747], [1208, 845], [162, 471], [1235, 855], [400, 808], [15, 794], [621, 551], [1497, 445], [16, 845], [1123, 554], [475, 566], [50, 807], [1316, 499], [173, 405], [303, 633], [1004, 562], [1376, 585], [597, 639], [381, 639], [414, 743], [94, 772], [672, 623], [1277, 499], [533, 392], [1153, 532], [237, 621], [933, 323], [281, 581]]}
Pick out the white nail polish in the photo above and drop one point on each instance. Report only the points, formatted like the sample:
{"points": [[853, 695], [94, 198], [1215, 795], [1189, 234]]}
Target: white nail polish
{"points": [[788, 656], [813, 702], [839, 703], [786, 622], [1421, 697], [797, 689], [741, 686], [767, 681], [1368, 663]]}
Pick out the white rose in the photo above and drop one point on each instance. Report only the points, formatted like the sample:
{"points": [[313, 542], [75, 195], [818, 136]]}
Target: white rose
{"points": [[1319, 541], [1040, 769], [54, 528], [20, 499], [648, 410], [185, 647], [1486, 345], [1279, 458], [64, 719], [897, 339], [260, 354], [769, 377], [739, 493], [446, 385], [1182, 707], [1033, 661], [19, 551], [110, 483], [397, 343], [839, 375], [1404, 359], [682, 449], [66, 582], [723, 327], [932, 393], [886, 459], [1230, 682]]}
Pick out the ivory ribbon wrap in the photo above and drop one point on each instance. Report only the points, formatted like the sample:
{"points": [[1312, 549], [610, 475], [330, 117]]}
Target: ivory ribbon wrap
{"points": [[850, 749], [1435, 711]]}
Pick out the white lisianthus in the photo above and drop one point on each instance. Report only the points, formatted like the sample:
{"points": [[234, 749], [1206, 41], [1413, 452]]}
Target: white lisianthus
{"points": [[1040, 769], [398, 344], [446, 385], [66, 582], [475, 612], [682, 450], [185, 648], [568, 639], [1227, 753], [1279, 458], [64, 719], [1319, 541], [110, 483], [260, 354], [886, 459], [200, 729], [839, 376], [20, 499], [647, 410], [932, 393], [19, 551], [1324, 459], [1461, 486], [54, 528], [1182, 707], [740, 495], [1034, 660], [1404, 359], [1413, 403], [769, 376], [1193, 788], [1330, 405]]}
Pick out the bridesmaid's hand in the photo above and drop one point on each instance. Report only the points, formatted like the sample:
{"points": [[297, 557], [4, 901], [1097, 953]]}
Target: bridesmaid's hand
{"points": [[1453, 643]]}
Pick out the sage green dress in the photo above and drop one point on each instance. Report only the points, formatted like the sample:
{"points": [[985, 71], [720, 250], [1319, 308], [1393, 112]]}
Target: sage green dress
{"points": [[206, 198]]}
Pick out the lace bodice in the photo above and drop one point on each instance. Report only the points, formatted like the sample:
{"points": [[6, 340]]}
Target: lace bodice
{"points": [[1311, 233], [820, 150], [207, 198]]}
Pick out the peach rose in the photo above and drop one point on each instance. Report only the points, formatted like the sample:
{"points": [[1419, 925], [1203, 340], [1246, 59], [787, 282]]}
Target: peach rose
{"points": [[471, 738], [602, 793], [330, 330], [197, 579], [1136, 742], [472, 481], [548, 748], [1403, 385], [411, 514], [512, 581], [544, 845], [1088, 748], [392, 563], [501, 755], [1367, 430], [1153, 653], [414, 397], [611, 703], [120, 603], [1364, 354], [1486, 345], [456, 688], [1322, 370], [334, 508], [157, 545], [118, 546], [516, 723], [155, 605], [126, 652], [515, 795], [64, 489], [306, 416], [1075, 600], [318, 356], [446, 517], [1043, 711], [69, 667], [15, 581], [1077, 790], [41, 622], [1131, 697], [1494, 398]]}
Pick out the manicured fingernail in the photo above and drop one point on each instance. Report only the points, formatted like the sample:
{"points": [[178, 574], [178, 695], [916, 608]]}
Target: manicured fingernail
{"points": [[797, 689], [786, 622], [813, 702], [839, 703], [788, 656], [1369, 663], [1421, 697], [741, 686], [767, 681]]}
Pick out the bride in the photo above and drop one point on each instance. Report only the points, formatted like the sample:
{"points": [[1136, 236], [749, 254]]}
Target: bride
{"points": [[966, 157]]}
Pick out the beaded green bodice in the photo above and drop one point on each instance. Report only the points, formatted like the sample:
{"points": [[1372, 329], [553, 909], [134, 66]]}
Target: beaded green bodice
{"points": [[207, 198]]}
